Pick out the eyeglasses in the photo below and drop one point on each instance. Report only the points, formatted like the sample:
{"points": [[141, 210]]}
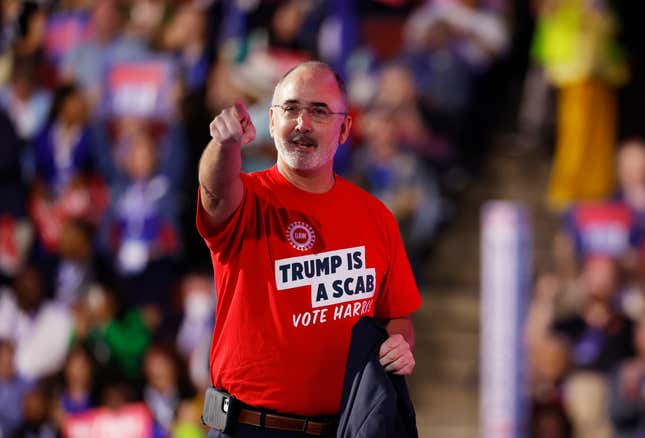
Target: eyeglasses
{"points": [[319, 114]]}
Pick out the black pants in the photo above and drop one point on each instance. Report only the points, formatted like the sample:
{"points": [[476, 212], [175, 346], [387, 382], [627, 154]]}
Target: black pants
{"points": [[246, 431]]}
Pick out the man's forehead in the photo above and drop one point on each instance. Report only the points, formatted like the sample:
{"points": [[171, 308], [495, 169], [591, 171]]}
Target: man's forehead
{"points": [[309, 85]]}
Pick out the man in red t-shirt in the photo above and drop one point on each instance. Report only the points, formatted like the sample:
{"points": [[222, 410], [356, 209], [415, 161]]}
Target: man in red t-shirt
{"points": [[299, 254]]}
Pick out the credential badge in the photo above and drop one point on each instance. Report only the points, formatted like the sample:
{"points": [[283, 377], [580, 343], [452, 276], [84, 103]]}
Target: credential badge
{"points": [[301, 236]]}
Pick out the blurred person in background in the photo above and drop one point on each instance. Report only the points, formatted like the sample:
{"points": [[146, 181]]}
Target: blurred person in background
{"points": [[397, 94], [87, 63], [188, 421], [16, 232], [534, 116], [13, 187], [142, 224], [29, 42], [116, 393], [480, 28], [31, 31], [195, 332], [631, 175], [25, 101], [77, 394], [185, 37], [37, 415], [12, 390], [73, 273], [115, 136], [453, 46], [64, 149], [576, 43], [164, 390], [549, 361], [600, 334], [147, 19], [600, 337], [400, 180], [443, 77], [116, 336], [67, 184], [628, 391], [9, 12], [198, 298], [39, 328]]}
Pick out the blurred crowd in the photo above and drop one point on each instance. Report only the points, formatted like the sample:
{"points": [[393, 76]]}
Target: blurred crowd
{"points": [[106, 300], [586, 326]]}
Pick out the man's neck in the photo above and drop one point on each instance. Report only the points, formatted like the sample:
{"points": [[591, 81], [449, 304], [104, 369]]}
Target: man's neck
{"points": [[313, 181]]}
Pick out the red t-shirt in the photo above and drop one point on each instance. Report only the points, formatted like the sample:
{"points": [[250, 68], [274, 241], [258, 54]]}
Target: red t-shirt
{"points": [[293, 272]]}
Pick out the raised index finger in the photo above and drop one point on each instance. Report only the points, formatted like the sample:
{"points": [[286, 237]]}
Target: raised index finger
{"points": [[242, 113]]}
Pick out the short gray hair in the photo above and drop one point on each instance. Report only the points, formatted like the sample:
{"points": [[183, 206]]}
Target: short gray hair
{"points": [[317, 65]]}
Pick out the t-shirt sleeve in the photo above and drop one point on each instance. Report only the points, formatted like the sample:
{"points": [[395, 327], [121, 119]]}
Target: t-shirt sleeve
{"points": [[229, 235], [399, 295]]}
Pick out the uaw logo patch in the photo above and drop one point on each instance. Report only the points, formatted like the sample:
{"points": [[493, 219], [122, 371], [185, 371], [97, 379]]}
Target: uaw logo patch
{"points": [[301, 236]]}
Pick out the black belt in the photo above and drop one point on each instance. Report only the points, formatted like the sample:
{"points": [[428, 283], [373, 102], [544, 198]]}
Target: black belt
{"points": [[315, 427]]}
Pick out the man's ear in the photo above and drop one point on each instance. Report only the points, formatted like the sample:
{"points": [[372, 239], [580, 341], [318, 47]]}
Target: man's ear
{"points": [[271, 123], [345, 129]]}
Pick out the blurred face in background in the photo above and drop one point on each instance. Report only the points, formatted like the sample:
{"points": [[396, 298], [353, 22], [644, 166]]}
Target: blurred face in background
{"points": [[10, 10], [160, 371], [34, 35], [100, 305], [187, 26], [106, 20], [396, 87], [600, 277], [379, 128], [288, 19], [142, 157], [74, 110], [75, 242], [28, 289], [115, 395], [145, 18], [35, 406], [78, 370], [631, 165]]}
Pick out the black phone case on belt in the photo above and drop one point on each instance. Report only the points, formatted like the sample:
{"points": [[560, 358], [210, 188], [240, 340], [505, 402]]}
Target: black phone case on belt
{"points": [[220, 410]]}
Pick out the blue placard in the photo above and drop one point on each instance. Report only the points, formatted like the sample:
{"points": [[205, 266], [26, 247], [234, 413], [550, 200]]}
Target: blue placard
{"points": [[140, 89]]}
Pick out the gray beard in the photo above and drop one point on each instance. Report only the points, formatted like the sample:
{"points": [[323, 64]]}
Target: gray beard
{"points": [[307, 161]]}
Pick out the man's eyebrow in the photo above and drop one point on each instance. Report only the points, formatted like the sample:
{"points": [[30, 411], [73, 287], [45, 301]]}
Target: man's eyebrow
{"points": [[296, 101], [320, 104]]}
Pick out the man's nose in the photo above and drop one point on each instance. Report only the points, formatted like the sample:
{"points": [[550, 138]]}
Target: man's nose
{"points": [[304, 121]]}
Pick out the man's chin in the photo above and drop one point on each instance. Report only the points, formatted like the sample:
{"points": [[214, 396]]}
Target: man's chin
{"points": [[300, 163]]}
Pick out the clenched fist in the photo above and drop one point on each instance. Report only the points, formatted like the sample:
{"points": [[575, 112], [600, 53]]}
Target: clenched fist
{"points": [[233, 126]]}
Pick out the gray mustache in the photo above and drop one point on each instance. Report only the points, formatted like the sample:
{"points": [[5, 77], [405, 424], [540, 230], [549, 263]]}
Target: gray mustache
{"points": [[304, 138]]}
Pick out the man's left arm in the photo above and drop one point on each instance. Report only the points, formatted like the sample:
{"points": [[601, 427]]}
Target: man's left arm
{"points": [[396, 352]]}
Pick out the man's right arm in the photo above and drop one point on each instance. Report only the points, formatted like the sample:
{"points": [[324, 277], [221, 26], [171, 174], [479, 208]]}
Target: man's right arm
{"points": [[220, 185]]}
